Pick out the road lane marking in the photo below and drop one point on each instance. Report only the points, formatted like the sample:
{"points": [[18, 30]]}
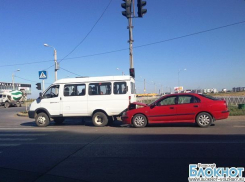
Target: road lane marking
{"points": [[14, 134], [237, 126], [169, 142], [39, 129], [7, 134], [9, 145], [132, 143], [17, 139]]}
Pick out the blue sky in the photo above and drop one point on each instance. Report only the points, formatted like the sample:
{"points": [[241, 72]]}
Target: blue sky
{"points": [[215, 59]]}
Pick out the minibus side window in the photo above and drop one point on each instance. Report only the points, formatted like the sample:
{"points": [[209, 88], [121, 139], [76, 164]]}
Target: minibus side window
{"points": [[133, 88], [81, 90], [75, 90], [120, 88], [100, 88]]}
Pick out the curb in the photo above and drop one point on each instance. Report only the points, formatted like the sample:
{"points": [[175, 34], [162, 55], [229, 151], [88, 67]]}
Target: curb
{"points": [[22, 114]]}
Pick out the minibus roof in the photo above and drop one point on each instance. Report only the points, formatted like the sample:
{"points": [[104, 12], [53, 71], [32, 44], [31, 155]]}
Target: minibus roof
{"points": [[95, 79]]}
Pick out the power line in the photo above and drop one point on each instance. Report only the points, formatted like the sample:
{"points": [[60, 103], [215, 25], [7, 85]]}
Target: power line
{"points": [[30, 80], [188, 35], [26, 79], [70, 71], [86, 34], [25, 63], [90, 55], [144, 45]]}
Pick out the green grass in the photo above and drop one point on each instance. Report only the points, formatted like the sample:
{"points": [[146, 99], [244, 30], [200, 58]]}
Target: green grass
{"points": [[234, 111]]}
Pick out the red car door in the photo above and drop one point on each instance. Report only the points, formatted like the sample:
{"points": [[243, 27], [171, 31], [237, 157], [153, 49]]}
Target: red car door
{"points": [[164, 110], [187, 108]]}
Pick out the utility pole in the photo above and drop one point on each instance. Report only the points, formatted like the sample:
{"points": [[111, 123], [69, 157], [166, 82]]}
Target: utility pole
{"points": [[144, 86], [13, 78], [130, 27], [43, 85], [56, 64], [129, 15]]}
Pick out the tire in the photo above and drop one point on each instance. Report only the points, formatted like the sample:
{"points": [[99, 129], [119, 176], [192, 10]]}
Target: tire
{"points": [[42, 119], [58, 121], [18, 104], [204, 119], [139, 121], [6, 104], [99, 119]]}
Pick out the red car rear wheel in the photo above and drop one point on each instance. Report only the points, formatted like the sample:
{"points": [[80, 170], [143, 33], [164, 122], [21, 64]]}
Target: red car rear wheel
{"points": [[204, 119]]}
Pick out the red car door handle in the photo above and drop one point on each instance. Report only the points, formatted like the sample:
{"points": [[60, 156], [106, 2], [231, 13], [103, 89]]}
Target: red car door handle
{"points": [[171, 107], [195, 105]]}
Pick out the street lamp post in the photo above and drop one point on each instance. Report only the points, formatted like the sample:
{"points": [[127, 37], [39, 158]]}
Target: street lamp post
{"points": [[122, 71], [169, 89], [154, 86], [13, 77], [55, 60], [178, 75]]}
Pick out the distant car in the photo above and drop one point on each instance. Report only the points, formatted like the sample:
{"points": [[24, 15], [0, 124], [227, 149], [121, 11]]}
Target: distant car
{"points": [[177, 108]]}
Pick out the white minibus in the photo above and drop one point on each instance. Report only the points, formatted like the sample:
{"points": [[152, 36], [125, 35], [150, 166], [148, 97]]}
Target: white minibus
{"points": [[102, 98]]}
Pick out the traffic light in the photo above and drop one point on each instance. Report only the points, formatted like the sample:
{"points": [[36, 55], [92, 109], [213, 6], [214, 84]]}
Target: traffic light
{"points": [[140, 5], [127, 7], [132, 72], [38, 86]]}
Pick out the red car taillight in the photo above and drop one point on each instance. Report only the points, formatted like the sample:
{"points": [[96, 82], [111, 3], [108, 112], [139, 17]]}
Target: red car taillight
{"points": [[225, 104]]}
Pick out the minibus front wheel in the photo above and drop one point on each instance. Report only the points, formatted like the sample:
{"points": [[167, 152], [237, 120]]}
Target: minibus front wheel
{"points": [[42, 119], [100, 119]]}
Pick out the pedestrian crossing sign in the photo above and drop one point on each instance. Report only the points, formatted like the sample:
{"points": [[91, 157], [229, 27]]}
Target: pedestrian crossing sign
{"points": [[43, 75]]}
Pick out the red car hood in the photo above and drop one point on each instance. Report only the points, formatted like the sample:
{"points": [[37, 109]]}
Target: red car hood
{"points": [[139, 103]]}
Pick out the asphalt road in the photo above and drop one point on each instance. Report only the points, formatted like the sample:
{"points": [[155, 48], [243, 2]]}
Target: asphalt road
{"points": [[78, 151]]}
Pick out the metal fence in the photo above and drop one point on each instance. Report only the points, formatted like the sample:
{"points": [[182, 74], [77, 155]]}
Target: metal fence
{"points": [[233, 100]]}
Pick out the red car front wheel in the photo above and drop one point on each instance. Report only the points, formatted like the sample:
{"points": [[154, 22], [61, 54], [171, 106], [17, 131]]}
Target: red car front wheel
{"points": [[139, 121]]}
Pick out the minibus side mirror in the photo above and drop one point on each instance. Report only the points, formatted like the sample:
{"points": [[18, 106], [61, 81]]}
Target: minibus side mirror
{"points": [[40, 95]]}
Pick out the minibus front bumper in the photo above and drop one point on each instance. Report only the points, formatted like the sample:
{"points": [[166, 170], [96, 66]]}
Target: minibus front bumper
{"points": [[31, 114]]}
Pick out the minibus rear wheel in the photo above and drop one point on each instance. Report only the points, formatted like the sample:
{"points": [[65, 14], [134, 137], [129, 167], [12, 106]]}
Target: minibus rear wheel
{"points": [[100, 119]]}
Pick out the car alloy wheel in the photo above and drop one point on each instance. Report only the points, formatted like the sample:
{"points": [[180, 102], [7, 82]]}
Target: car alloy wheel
{"points": [[204, 119], [139, 121]]}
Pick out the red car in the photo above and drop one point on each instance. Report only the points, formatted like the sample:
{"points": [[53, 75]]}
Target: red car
{"points": [[177, 108]]}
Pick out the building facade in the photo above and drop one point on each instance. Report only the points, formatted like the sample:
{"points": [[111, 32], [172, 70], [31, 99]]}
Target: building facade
{"points": [[4, 86]]}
